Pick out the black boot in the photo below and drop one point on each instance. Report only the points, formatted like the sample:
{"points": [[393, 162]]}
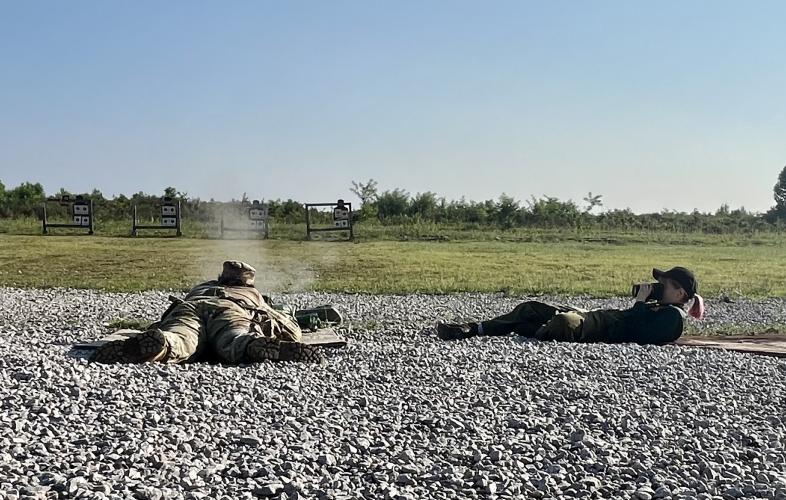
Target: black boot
{"points": [[456, 331]]}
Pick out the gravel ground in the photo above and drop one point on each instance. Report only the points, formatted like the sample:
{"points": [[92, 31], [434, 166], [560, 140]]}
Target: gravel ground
{"points": [[396, 415]]}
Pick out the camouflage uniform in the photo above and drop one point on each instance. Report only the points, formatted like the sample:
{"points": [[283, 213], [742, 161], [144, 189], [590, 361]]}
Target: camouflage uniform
{"points": [[226, 320]]}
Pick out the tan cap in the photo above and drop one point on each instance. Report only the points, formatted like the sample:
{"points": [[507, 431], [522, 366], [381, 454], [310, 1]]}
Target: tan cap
{"points": [[237, 273]]}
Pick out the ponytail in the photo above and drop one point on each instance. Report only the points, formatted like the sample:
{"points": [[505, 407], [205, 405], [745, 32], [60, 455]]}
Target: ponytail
{"points": [[697, 308]]}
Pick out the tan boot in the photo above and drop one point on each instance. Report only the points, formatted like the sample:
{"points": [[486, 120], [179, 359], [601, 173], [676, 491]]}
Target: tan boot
{"points": [[146, 347], [268, 349]]}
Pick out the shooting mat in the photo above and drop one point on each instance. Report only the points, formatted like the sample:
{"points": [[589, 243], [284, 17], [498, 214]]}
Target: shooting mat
{"points": [[325, 337], [765, 345]]}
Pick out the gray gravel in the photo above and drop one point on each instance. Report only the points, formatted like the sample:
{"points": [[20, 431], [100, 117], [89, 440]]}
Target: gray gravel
{"points": [[397, 415]]}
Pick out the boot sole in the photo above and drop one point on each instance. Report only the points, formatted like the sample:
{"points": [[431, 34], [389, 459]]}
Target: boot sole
{"points": [[142, 348], [448, 332], [263, 349]]}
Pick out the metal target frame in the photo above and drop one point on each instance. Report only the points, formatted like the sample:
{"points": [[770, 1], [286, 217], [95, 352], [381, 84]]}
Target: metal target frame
{"points": [[258, 220], [171, 218], [80, 210], [342, 218]]}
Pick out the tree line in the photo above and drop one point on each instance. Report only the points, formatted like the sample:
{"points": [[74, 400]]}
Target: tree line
{"points": [[397, 206], [27, 199]]}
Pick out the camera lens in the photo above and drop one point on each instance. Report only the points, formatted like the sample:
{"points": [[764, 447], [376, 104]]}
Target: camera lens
{"points": [[655, 294]]}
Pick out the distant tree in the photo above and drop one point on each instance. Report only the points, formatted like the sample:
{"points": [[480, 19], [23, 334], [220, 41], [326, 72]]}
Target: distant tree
{"points": [[777, 213], [780, 192], [24, 199], [367, 193], [476, 212], [549, 211], [424, 205], [27, 192], [392, 204], [723, 211], [593, 201], [292, 211], [506, 213]]}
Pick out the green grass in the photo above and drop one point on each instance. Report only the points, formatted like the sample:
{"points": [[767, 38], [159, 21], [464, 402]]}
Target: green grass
{"points": [[426, 232], [741, 266]]}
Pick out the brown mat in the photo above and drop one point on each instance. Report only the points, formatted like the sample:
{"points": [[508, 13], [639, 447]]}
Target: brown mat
{"points": [[326, 337], [766, 345]]}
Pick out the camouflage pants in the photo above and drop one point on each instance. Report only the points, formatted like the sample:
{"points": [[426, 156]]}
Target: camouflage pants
{"points": [[543, 322], [219, 330]]}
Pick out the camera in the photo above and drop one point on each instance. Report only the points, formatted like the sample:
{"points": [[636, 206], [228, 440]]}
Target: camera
{"points": [[655, 294]]}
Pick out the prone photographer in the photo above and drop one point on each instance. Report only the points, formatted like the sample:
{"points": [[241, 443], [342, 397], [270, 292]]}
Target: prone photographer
{"points": [[657, 316]]}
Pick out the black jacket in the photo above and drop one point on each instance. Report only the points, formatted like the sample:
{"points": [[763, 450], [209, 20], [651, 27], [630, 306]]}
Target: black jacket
{"points": [[647, 323]]}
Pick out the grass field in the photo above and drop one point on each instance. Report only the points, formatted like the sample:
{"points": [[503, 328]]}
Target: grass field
{"points": [[431, 232], [567, 264]]}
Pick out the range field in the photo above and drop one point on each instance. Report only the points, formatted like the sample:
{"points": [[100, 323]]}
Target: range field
{"points": [[600, 267]]}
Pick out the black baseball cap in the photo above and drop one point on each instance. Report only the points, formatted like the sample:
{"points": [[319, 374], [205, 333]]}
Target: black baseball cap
{"points": [[684, 277]]}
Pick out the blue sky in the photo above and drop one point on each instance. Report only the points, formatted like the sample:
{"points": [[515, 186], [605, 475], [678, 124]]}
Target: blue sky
{"points": [[676, 105]]}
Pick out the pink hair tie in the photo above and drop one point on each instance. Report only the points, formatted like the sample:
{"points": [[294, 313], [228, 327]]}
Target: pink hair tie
{"points": [[697, 308]]}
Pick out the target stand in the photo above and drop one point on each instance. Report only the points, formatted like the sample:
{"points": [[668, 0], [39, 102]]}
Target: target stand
{"points": [[255, 221], [341, 218], [80, 211], [170, 218]]}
